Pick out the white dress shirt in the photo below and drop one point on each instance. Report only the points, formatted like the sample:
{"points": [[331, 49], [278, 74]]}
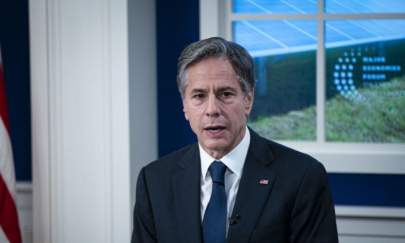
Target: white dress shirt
{"points": [[234, 162]]}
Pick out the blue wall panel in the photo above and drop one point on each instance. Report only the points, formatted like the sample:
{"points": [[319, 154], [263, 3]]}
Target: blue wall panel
{"points": [[368, 189], [15, 52], [177, 26]]}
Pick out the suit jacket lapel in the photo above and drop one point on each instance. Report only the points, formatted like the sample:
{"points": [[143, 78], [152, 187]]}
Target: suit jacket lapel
{"points": [[186, 187], [254, 189]]}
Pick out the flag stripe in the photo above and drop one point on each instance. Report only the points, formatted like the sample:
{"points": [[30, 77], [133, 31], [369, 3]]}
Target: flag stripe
{"points": [[3, 102], [8, 214], [6, 159]]}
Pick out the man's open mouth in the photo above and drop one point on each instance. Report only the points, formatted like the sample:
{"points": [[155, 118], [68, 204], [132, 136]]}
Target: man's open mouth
{"points": [[214, 128]]}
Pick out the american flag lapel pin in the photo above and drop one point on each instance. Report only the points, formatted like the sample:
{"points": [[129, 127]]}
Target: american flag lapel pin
{"points": [[263, 182]]}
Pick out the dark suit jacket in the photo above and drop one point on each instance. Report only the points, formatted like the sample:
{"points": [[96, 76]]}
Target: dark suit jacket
{"points": [[295, 205]]}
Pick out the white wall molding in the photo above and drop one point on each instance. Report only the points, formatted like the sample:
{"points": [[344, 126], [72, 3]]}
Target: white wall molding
{"points": [[80, 121], [374, 230], [24, 207], [371, 212]]}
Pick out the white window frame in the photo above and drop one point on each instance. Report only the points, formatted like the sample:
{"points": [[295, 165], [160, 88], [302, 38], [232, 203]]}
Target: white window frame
{"points": [[216, 19]]}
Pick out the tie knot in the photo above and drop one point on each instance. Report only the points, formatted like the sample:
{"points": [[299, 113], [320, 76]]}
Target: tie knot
{"points": [[217, 170]]}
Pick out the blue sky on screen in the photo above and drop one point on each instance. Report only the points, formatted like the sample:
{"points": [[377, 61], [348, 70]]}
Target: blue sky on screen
{"points": [[365, 6], [263, 38], [310, 6], [274, 6]]}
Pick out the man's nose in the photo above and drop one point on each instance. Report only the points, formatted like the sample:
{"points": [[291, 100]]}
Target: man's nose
{"points": [[212, 106]]}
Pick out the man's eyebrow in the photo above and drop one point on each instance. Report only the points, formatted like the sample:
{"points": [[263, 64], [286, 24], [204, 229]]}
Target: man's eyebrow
{"points": [[226, 88], [198, 90]]}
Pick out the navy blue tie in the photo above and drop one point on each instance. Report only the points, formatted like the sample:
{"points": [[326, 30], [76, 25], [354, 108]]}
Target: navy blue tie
{"points": [[214, 222]]}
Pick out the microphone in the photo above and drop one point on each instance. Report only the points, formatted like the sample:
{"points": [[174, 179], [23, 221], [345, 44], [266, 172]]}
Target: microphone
{"points": [[234, 219]]}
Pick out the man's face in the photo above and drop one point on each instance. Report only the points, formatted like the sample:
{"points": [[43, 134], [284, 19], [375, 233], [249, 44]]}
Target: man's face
{"points": [[216, 106]]}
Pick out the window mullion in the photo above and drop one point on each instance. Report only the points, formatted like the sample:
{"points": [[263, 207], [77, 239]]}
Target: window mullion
{"points": [[229, 19], [320, 75]]}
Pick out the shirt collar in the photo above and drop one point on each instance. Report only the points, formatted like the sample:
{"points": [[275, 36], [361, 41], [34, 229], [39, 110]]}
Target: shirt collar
{"points": [[234, 160]]}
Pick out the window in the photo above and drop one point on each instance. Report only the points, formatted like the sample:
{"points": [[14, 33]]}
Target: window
{"points": [[330, 75]]}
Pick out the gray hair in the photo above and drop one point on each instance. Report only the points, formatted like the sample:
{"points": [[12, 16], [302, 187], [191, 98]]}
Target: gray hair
{"points": [[239, 58]]}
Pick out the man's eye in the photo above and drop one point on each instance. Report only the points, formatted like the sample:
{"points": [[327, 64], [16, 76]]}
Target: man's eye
{"points": [[226, 94], [198, 96]]}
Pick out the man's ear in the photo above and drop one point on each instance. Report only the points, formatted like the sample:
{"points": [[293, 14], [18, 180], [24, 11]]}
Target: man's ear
{"points": [[248, 102], [185, 112]]}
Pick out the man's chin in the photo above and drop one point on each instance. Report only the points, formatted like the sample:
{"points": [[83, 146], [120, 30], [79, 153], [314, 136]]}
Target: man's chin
{"points": [[215, 145]]}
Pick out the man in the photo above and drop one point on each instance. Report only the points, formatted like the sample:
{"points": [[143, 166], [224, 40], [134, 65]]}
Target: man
{"points": [[233, 185]]}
